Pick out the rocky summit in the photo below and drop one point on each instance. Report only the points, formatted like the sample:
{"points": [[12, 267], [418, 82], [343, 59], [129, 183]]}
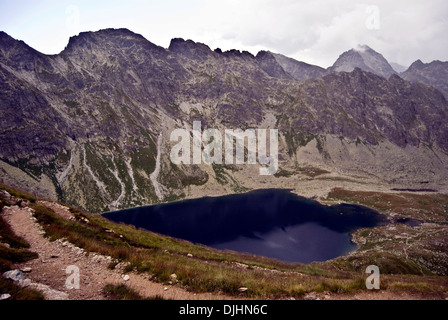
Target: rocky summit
{"points": [[365, 58], [91, 125]]}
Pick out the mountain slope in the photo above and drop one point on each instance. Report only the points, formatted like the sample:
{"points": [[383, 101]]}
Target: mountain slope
{"points": [[398, 67], [297, 69], [91, 126]]}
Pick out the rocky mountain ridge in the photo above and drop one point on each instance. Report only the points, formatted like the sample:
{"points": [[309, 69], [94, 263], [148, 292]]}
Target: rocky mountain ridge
{"points": [[91, 126]]}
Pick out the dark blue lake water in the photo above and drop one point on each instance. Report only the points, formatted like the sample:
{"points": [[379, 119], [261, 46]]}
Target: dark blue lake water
{"points": [[271, 222]]}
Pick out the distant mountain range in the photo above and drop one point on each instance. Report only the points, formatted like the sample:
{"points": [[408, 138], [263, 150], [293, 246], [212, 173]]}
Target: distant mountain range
{"points": [[434, 74], [91, 125]]}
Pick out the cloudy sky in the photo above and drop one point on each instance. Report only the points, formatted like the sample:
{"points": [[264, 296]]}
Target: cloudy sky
{"points": [[316, 32]]}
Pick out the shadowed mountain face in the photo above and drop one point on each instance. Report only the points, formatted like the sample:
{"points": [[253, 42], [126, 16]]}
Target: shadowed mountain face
{"points": [[91, 125], [433, 74]]}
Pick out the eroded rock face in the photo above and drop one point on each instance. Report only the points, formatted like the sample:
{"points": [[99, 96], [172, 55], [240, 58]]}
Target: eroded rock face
{"points": [[83, 125]]}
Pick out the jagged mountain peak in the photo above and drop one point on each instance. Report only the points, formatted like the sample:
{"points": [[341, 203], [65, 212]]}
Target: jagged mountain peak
{"points": [[110, 33], [113, 39], [236, 53], [8, 43], [18, 54], [190, 49], [418, 64], [269, 64], [364, 58]]}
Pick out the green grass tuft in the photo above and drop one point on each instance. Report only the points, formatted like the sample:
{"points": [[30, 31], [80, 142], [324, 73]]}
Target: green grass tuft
{"points": [[123, 292]]}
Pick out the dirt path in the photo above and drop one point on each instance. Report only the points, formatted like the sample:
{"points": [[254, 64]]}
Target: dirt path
{"points": [[54, 258]]}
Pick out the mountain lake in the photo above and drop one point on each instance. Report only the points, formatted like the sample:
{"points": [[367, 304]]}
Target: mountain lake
{"points": [[275, 223]]}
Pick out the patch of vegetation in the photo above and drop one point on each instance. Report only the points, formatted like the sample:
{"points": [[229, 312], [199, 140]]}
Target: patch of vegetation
{"points": [[71, 103], [174, 197], [17, 292], [80, 181], [312, 171], [90, 237], [222, 177], [320, 141], [18, 193], [388, 263], [67, 91], [194, 180], [102, 166], [123, 292], [239, 188], [108, 113], [283, 173], [145, 159], [341, 286], [10, 256], [63, 156], [8, 236], [290, 143], [413, 287], [304, 138], [426, 207], [341, 179], [294, 140], [193, 175], [308, 171], [220, 174]]}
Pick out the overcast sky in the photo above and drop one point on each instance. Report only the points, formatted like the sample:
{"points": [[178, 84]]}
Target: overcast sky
{"points": [[315, 32]]}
